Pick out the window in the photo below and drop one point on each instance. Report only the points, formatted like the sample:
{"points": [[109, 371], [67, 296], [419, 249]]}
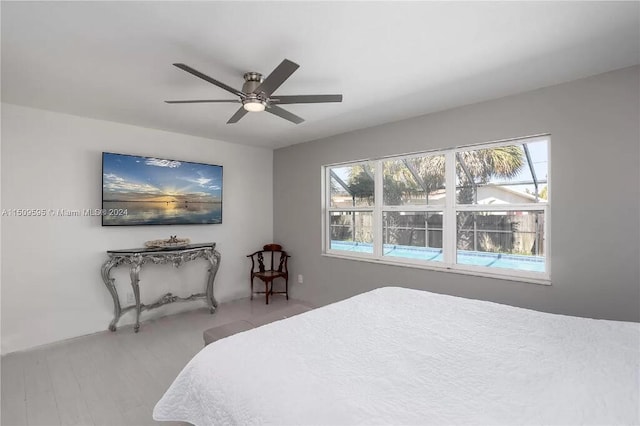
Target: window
{"points": [[351, 192], [480, 209]]}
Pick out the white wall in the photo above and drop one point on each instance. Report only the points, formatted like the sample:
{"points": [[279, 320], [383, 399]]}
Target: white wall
{"points": [[594, 233], [51, 284]]}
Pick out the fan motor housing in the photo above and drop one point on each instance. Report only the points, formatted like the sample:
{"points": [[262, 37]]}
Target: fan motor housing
{"points": [[251, 81]]}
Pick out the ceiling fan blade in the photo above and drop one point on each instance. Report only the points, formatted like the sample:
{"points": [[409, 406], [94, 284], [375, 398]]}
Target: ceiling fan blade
{"points": [[283, 113], [305, 99], [204, 101], [237, 116], [277, 77], [205, 77]]}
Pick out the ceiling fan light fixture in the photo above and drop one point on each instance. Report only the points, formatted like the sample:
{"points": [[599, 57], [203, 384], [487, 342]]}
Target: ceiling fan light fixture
{"points": [[254, 105], [256, 93]]}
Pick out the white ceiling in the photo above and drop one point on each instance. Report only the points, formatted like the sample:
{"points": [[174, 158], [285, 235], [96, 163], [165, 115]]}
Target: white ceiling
{"points": [[391, 60]]}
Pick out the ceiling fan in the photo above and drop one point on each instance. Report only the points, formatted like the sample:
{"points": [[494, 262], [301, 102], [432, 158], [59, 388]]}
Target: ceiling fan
{"points": [[257, 93]]}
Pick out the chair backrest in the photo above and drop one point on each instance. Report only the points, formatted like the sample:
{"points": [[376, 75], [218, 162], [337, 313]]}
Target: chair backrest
{"points": [[259, 258]]}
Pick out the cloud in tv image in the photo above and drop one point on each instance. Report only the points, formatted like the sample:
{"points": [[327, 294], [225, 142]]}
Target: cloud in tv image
{"points": [[154, 191]]}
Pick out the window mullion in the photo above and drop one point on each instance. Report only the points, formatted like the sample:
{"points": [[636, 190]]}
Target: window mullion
{"points": [[449, 219], [351, 209], [414, 208], [500, 207], [377, 209], [545, 246], [326, 205]]}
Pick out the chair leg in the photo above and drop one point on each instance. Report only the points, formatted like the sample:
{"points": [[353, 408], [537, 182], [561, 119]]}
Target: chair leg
{"points": [[266, 290], [286, 287], [251, 288]]}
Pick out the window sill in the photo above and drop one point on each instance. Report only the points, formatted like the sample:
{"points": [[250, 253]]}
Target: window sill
{"points": [[475, 273]]}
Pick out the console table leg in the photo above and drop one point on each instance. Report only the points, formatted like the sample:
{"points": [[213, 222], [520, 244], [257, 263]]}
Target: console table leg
{"points": [[136, 262], [214, 260], [109, 282]]}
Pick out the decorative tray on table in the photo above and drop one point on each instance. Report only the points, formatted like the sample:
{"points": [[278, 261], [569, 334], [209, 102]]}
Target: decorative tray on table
{"points": [[171, 243]]}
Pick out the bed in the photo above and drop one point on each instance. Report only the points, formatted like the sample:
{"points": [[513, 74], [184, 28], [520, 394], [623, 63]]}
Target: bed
{"points": [[399, 356]]}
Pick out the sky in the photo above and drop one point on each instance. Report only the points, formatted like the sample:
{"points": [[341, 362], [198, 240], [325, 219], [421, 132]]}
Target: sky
{"points": [[539, 155], [133, 178]]}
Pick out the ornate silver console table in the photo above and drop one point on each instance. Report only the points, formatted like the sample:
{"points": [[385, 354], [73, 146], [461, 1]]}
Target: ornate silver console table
{"points": [[138, 257]]}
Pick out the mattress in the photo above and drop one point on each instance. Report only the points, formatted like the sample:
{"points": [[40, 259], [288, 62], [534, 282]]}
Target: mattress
{"points": [[399, 356]]}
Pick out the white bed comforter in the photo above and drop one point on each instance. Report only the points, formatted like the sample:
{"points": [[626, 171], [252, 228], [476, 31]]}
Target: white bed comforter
{"points": [[399, 356]]}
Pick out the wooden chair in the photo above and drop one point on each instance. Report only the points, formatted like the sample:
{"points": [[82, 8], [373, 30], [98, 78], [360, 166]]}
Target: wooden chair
{"points": [[258, 269]]}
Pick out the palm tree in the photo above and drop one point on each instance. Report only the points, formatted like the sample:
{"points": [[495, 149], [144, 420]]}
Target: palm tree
{"points": [[361, 182], [478, 167], [475, 168]]}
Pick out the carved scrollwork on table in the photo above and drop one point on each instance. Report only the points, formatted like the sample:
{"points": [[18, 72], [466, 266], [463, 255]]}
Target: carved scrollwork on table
{"points": [[177, 259], [138, 257]]}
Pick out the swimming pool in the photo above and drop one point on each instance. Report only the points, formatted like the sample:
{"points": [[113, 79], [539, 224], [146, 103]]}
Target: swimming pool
{"points": [[464, 257]]}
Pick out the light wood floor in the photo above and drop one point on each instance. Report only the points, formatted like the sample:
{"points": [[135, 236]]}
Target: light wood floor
{"points": [[111, 378]]}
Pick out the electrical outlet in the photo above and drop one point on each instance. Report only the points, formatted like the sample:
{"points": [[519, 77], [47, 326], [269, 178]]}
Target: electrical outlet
{"points": [[130, 299], [300, 279]]}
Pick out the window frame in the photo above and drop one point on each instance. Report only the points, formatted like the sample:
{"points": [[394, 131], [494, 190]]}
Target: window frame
{"points": [[327, 209], [449, 210]]}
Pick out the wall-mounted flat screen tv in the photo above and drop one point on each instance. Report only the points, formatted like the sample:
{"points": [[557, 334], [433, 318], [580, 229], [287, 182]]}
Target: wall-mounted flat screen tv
{"points": [[155, 191]]}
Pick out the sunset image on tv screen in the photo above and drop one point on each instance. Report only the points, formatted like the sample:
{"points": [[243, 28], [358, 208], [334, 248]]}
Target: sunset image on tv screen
{"points": [[154, 191]]}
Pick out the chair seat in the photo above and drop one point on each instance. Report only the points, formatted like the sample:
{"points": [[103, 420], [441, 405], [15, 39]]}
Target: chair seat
{"points": [[269, 274]]}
